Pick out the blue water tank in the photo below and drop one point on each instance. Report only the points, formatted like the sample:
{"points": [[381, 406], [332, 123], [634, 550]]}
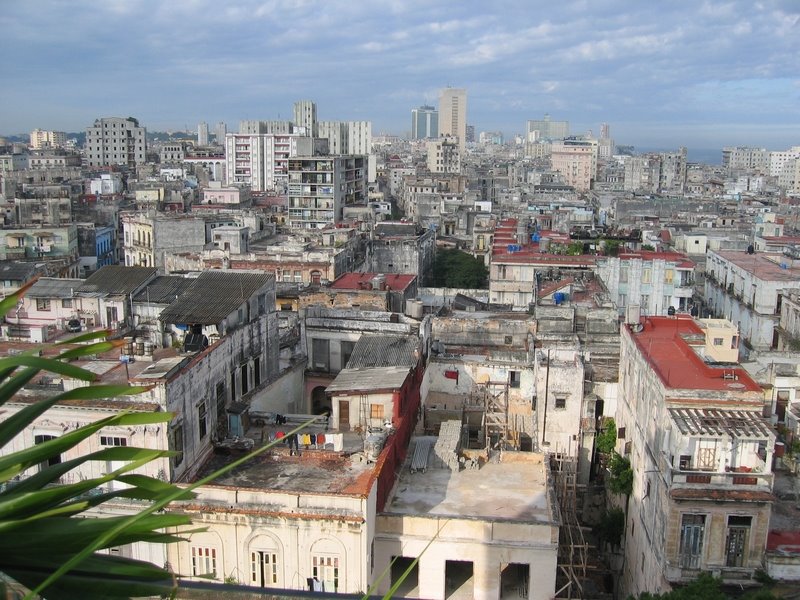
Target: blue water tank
{"points": [[558, 297], [535, 237]]}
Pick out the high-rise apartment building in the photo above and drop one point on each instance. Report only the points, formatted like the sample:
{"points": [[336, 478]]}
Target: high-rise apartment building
{"points": [[321, 186], [547, 129], [453, 114], [424, 122], [576, 160], [116, 141], [220, 132], [254, 126], [744, 158], [337, 135], [444, 156], [47, 139], [305, 115], [202, 134], [261, 160], [359, 137]]}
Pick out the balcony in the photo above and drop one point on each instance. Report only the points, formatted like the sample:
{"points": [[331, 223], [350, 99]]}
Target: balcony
{"points": [[738, 478]]}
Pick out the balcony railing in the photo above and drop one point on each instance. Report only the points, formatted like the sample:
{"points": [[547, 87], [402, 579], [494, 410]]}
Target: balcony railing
{"points": [[735, 478]]}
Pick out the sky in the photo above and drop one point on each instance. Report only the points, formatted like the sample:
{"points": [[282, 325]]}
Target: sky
{"points": [[661, 74]]}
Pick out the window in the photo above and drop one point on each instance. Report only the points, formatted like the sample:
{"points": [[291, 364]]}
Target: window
{"points": [[346, 348], [647, 275], [623, 274], [561, 402], [718, 341], [263, 568], [514, 379], [176, 444], [204, 561], [376, 411], [201, 419], [645, 301], [66, 303], [621, 433], [53, 460], [737, 540], [42, 304], [326, 570], [220, 394], [669, 274], [107, 440], [320, 351], [245, 379]]}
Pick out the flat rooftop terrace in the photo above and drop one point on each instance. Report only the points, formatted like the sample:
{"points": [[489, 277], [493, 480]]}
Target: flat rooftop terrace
{"points": [[322, 471], [514, 489], [313, 472], [763, 265], [678, 366]]}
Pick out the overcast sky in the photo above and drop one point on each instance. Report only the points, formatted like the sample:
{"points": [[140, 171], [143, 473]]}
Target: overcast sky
{"points": [[661, 73]]}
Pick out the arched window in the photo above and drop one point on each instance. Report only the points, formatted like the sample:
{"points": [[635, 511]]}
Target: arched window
{"points": [[266, 562]]}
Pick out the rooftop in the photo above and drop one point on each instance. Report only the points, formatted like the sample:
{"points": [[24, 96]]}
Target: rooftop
{"points": [[115, 280], [763, 265], [365, 380], [52, 287], [506, 247], [213, 296], [682, 260], [661, 341], [383, 351], [514, 488], [313, 471], [163, 290], [355, 281]]}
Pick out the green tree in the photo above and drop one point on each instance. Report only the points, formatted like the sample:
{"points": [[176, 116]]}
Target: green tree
{"points": [[621, 475], [575, 248], [706, 587], [611, 527], [456, 269], [607, 438], [611, 247]]}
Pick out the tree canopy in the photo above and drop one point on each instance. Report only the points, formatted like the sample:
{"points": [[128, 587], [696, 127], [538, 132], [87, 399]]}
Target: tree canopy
{"points": [[456, 269]]}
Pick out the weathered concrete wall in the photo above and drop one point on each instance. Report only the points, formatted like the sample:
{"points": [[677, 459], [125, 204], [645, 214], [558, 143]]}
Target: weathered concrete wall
{"points": [[295, 527], [284, 395]]}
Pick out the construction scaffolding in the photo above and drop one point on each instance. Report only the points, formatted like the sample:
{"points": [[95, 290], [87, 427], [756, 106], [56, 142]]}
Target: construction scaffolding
{"points": [[499, 431], [573, 550]]}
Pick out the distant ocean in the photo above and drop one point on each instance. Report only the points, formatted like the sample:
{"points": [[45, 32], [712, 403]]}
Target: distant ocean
{"points": [[708, 156]]}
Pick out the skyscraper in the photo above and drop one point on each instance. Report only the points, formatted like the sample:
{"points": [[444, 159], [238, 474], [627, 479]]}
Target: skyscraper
{"points": [[305, 115], [116, 141], [546, 129], [453, 114], [202, 134], [424, 122], [219, 133]]}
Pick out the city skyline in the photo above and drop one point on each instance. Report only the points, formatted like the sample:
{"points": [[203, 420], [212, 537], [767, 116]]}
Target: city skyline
{"points": [[703, 76]]}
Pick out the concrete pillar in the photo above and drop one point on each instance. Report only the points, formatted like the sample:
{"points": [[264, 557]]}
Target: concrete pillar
{"points": [[431, 576], [486, 579]]}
